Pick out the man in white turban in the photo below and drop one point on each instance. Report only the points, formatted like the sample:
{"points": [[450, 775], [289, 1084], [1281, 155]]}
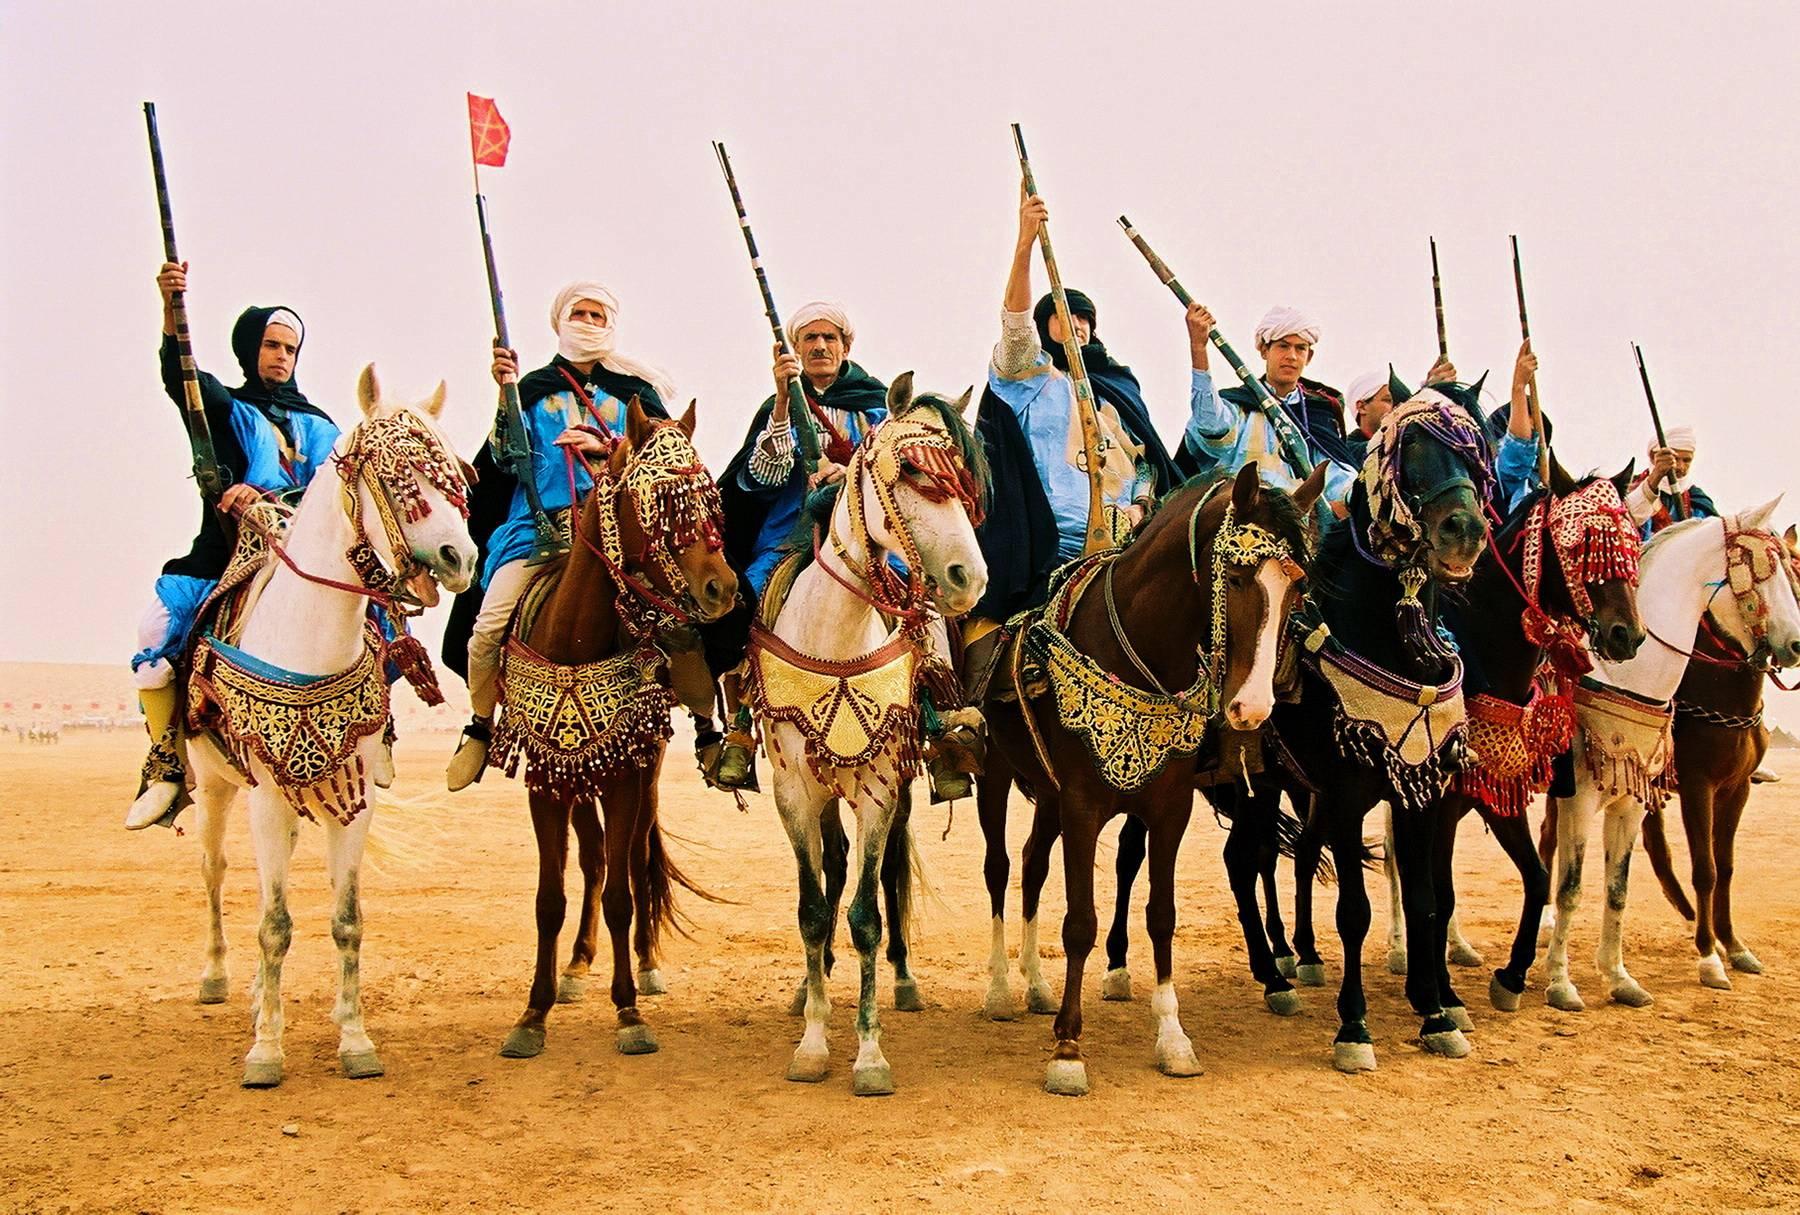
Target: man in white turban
{"points": [[588, 383], [1665, 491]]}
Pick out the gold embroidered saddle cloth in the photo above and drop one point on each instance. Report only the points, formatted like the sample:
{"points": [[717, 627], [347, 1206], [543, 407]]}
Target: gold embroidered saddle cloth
{"points": [[575, 724], [1414, 734]]}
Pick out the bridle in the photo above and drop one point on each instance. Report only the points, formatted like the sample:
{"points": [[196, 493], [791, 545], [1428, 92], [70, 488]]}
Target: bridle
{"points": [[1591, 536], [1753, 556], [1396, 535]]}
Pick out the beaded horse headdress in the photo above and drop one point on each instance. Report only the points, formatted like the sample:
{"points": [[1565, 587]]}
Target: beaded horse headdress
{"points": [[390, 456], [1395, 534]]}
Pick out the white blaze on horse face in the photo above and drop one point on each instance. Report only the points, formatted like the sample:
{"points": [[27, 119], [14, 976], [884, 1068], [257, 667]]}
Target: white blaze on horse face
{"points": [[1252, 703]]}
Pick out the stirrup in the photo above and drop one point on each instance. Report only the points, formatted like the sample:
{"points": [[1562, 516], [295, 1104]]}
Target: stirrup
{"points": [[956, 755], [470, 759], [734, 767], [157, 806]]}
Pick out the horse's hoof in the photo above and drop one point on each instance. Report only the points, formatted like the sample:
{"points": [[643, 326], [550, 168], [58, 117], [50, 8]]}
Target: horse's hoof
{"points": [[875, 1080], [1449, 1043], [1066, 1078], [907, 997], [797, 1006], [1396, 961], [998, 1006], [524, 1042], [1285, 965], [1562, 994], [262, 1075], [215, 991], [1465, 954], [1629, 992], [1177, 1059], [1501, 997], [1353, 1056], [1712, 973], [1116, 985], [1744, 960], [808, 1068], [1310, 974], [636, 1040], [1283, 1003], [361, 1064], [1459, 1017], [571, 989], [650, 983], [1039, 1000]]}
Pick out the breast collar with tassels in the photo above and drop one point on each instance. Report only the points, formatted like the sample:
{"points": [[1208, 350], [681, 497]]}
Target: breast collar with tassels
{"points": [[915, 443], [1593, 540]]}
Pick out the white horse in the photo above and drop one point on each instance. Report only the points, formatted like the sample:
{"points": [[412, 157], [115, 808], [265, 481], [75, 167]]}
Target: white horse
{"points": [[306, 628], [1683, 577], [901, 497]]}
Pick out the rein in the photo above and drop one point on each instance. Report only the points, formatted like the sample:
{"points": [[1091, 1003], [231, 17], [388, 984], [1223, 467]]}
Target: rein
{"points": [[622, 576]]}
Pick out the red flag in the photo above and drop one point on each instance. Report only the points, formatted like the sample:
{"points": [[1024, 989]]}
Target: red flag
{"points": [[488, 132]]}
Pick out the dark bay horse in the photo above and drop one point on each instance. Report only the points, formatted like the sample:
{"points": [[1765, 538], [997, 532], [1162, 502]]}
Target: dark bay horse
{"points": [[588, 689], [1198, 600]]}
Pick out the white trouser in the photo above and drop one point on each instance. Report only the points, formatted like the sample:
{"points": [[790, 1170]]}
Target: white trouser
{"points": [[153, 630], [502, 595]]}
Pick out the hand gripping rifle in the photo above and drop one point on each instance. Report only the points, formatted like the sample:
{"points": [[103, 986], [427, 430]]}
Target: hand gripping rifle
{"points": [[798, 411], [1676, 512], [207, 474]]}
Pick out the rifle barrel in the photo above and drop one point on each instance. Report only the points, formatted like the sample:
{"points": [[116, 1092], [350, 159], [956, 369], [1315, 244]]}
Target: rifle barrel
{"points": [[1531, 388], [1437, 300], [1656, 421]]}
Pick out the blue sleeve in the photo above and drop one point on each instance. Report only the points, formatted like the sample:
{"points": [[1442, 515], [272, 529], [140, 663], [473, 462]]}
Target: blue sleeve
{"points": [[1339, 479], [1209, 418], [1020, 393], [1515, 467]]}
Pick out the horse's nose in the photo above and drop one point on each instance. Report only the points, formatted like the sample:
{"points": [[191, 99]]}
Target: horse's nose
{"points": [[1793, 653], [450, 557], [1622, 641], [956, 577], [1246, 714], [1462, 526]]}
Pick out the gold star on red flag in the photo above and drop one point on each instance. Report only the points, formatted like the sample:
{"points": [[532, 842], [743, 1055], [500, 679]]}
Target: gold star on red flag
{"points": [[488, 132]]}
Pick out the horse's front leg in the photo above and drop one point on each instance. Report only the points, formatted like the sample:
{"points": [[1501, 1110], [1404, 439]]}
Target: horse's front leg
{"points": [[1697, 814], [834, 860], [1353, 1050], [992, 791], [1243, 864], [1309, 851], [274, 827], [590, 839], [1513, 833], [627, 809], [1415, 834], [801, 802], [1623, 819], [652, 878], [212, 811], [1397, 961], [550, 826], [1066, 1074], [1174, 1050], [875, 811], [1571, 816], [343, 857]]}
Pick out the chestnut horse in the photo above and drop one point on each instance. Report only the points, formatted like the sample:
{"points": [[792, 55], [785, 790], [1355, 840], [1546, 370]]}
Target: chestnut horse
{"points": [[647, 562]]}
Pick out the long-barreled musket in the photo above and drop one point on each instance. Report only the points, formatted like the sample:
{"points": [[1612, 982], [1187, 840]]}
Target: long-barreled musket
{"points": [[1099, 535], [1293, 443], [1531, 390], [1437, 300], [798, 411], [1675, 512], [515, 441], [207, 473]]}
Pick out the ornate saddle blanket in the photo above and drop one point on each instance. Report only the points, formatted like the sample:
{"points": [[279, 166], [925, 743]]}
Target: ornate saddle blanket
{"points": [[304, 728], [1512, 747], [574, 724], [1415, 734], [1629, 743]]}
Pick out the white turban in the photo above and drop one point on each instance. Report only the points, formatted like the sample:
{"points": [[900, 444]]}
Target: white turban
{"points": [[281, 316], [819, 310], [1282, 321], [1681, 438], [586, 342], [1363, 387]]}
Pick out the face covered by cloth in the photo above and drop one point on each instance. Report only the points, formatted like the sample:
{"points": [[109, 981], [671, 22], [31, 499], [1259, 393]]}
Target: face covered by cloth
{"points": [[586, 342]]}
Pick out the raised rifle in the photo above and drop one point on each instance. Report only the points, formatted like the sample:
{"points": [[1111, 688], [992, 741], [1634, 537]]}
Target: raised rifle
{"points": [[798, 411], [1437, 300], [207, 474], [1675, 512], [1099, 536], [1531, 390]]}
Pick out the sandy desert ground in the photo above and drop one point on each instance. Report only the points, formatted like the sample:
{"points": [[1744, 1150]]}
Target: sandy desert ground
{"points": [[119, 1092]]}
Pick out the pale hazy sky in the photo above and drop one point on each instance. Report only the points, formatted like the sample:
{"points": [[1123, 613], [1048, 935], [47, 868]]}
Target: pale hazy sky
{"points": [[319, 158]]}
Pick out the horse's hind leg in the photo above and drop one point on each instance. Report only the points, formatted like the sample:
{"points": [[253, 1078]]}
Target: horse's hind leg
{"points": [[1449, 811], [1622, 820], [1266, 806], [896, 889], [992, 790], [1513, 833], [1730, 812], [1066, 1074], [1174, 1050], [1415, 838], [212, 811], [1034, 870], [274, 827], [343, 856], [589, 842], [1396, 960], [1133, 837], [1243, 860], [1309, 969], [550, 825], [1570, 816], [650, 871]]}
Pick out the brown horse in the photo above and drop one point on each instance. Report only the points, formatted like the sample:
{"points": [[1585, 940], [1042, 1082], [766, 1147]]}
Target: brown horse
{"points": [[586, 693], [1720, 740], [1199, 600]]}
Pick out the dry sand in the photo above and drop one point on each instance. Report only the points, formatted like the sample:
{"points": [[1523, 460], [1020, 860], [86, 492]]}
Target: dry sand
{"points": [[119, 1092]]}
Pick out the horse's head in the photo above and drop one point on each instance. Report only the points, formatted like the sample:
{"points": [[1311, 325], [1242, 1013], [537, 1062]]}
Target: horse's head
{"points": [[927, 472], [407, 491], [1761, 614], [1257, 541], [1595, 575], [671, 523], [1426, 477]]}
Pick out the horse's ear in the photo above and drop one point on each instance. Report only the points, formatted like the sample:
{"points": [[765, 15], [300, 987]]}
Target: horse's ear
{"points": [[1311, 488], [1792, 536], [961, 405], [1400, 392], [368, 390], [1750, 520], [434, 405], [687, 418], [1475, 409], [1622, 482], [637, 422], [1246, 489], [900, 393], [1561, 483]]}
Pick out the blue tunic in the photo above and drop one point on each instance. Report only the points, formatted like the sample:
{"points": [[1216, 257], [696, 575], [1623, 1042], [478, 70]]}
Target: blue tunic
{"points": [[784, 506], [514, 539]]}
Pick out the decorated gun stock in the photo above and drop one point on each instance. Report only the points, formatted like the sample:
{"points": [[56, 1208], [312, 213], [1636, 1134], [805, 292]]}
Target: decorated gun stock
{"points": [[207, 473]]}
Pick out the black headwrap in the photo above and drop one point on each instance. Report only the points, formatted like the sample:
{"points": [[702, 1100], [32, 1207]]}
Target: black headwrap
{"points": [[246, 343]]}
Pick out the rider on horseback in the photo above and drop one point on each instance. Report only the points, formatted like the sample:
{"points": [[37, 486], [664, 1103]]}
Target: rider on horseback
{"points": [[269, 439], [586, 386], [1665, 491]]}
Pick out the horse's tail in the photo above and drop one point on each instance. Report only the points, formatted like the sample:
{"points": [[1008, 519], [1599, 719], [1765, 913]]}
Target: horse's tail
{"points": [[661, 876], [1656, 844]]}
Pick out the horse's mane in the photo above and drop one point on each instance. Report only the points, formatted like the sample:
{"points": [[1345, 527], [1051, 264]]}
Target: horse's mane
{"points": [[1674, 529], [1289, 523]]}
